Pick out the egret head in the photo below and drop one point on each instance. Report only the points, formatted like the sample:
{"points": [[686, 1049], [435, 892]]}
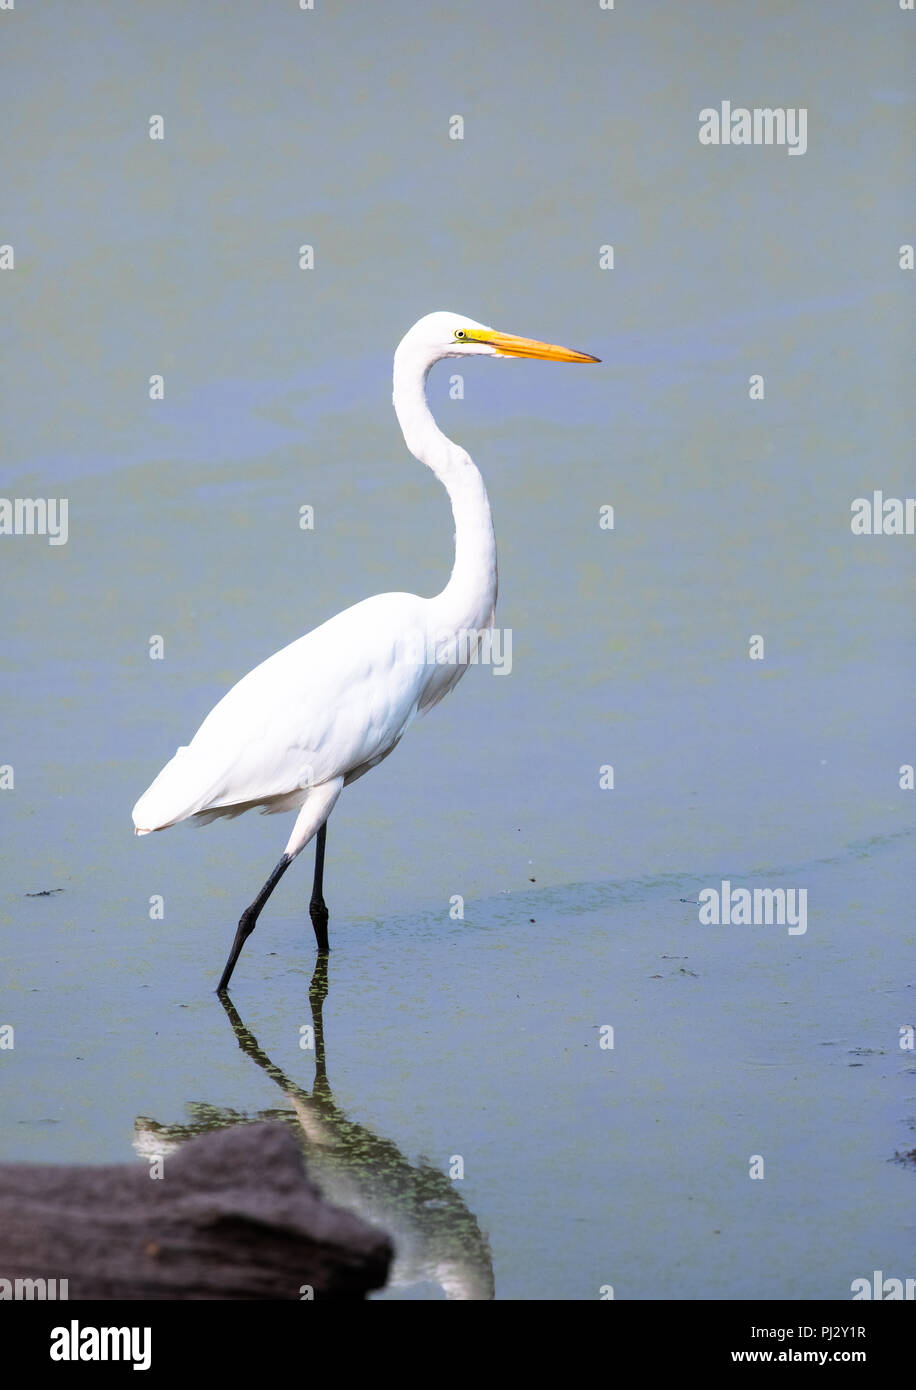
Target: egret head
{"points": [[453, 335]]}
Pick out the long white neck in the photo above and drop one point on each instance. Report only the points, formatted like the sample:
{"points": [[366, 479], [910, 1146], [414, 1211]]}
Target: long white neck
{"points": [[469, 598]]}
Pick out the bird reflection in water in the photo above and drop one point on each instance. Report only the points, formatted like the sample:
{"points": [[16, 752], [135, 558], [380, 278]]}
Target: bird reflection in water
{"points": [[437, 1239]]}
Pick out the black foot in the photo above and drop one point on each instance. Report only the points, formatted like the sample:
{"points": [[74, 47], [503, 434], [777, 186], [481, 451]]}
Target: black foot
{"points": [[246, 926], [249, 920], [320, 916]]}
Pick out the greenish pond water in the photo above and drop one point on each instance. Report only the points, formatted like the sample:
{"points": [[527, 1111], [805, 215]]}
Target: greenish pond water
{"points": [[475, 1038]]}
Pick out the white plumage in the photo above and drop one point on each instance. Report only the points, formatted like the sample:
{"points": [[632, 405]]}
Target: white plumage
{"points": [[317, 715], [329, 706]]}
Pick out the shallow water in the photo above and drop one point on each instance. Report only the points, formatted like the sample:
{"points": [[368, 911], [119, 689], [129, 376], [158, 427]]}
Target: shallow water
{"points": [[480, 1037]]}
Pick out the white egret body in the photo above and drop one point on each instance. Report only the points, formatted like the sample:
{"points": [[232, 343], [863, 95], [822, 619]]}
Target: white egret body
{"points": [[318, 714]]}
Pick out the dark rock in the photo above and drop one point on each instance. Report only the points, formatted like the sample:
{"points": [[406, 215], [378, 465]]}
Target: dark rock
{"points": [[233, 1217]]}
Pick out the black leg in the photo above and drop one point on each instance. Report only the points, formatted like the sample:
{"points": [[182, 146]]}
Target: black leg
{"points": [[248, 921], [318, 910]]}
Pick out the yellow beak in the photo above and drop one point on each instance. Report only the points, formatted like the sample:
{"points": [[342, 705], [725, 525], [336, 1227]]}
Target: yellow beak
{"points": [[507, 345]]}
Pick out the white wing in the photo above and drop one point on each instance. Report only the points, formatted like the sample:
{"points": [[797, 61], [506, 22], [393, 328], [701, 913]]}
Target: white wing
{"points": [[330, 705]]}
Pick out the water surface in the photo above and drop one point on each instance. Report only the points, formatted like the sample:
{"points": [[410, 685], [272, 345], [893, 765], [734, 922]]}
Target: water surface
{"points": [[477, 1037]]}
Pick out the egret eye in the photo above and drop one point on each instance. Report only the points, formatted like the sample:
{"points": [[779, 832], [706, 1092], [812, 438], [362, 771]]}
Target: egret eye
{"points": [[460, 333]]}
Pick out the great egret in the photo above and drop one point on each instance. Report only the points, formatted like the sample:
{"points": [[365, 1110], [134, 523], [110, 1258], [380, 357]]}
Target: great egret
{"points": [[318, 714]]}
